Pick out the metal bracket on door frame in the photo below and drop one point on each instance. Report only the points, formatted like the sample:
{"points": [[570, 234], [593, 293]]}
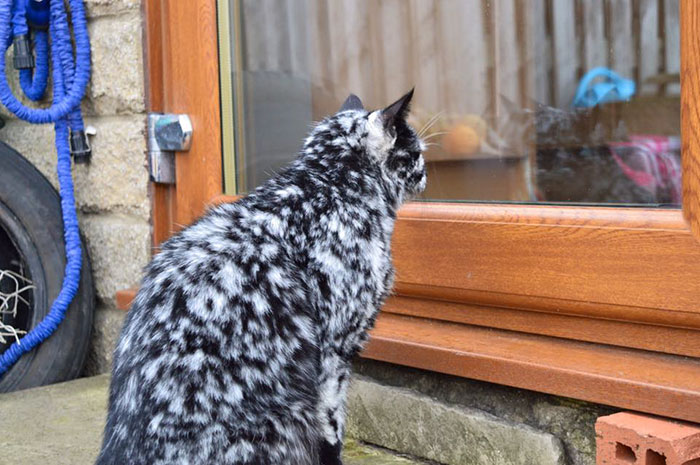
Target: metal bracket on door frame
{"points": [[167, 134]]}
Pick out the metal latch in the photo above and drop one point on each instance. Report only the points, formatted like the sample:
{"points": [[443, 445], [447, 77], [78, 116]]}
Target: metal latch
{"points": [[167, 134]]}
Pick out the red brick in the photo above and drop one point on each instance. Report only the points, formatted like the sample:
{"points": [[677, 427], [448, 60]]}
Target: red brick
{"points": [[632, 438]]}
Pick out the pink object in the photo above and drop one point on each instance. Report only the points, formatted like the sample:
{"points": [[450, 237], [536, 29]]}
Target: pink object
{"points": [[627, 438], [651, 162]]}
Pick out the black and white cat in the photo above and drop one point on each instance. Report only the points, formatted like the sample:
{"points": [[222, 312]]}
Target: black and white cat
{"points": [[237, 348]]}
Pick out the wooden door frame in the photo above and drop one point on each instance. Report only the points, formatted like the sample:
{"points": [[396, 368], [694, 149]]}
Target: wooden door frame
{"points": [[182, 76], [507, 285], [690, 112]]}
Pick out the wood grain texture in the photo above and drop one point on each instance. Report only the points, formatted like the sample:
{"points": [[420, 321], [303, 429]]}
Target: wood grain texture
{"points": [[558, 259], [690, 111], [163, 203], [648, 382], [162, 198], [182, 77], [153, 51], [191, 85], [658, 338]]}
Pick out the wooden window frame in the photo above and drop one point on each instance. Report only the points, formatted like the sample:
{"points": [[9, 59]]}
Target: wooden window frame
{"points": [[596, 303]]}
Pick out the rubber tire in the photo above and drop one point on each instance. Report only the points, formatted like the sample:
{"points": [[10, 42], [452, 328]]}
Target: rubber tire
{"points": [[30, 211]]}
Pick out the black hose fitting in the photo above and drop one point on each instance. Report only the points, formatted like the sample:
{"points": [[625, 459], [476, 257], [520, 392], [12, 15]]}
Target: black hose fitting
{"points": [[80, 147], [23, 58]]}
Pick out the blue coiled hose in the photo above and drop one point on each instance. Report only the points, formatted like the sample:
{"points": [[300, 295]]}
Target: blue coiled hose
{"points": [[70, 75]]}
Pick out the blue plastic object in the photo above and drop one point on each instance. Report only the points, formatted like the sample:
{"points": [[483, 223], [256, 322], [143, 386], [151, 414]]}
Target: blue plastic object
{"points": [[38, 13], [70, 77], [614, 88]]}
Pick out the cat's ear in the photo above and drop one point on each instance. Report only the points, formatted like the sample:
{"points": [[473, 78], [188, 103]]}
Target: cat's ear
{"points": [[397, 110], [509, 105], [353, 102]]}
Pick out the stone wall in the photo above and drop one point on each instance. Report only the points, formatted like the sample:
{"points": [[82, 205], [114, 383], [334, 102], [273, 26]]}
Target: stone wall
{"points": [[112, 191], [458, 421]]}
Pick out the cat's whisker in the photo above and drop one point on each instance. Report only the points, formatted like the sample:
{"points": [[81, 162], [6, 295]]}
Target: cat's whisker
{"points": [[431, 122], [434, 134]]}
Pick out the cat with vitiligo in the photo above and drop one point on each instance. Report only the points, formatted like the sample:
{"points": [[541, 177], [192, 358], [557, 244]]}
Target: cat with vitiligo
{"points": [[237, 348]]}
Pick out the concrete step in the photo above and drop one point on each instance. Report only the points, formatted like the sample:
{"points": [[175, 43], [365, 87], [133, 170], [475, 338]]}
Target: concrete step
{"points": [[62, 424]]}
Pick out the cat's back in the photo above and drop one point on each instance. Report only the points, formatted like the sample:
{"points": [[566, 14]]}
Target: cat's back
{"points": [[219, 319], [217, 277]]}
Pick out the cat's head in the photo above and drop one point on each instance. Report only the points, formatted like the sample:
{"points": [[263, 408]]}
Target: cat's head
{"points": [[383, 138]]}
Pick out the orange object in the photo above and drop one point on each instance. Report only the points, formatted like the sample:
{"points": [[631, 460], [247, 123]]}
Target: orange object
{"points": [[477, 123], [461, 139], [632, 438]]}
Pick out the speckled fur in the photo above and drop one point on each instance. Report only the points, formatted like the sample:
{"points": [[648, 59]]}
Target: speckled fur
{"points": [[237, 348]]}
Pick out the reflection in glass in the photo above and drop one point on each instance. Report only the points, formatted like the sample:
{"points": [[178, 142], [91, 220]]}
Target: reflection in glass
{"points": [[526, 100]]}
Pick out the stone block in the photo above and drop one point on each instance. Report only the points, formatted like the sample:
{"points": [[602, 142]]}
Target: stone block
{"points": [[95, 8], [107, 325], [120, 247], [408, 422], [570, 420], [117, 82]]}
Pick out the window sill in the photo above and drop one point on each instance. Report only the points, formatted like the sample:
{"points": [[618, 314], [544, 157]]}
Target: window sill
{"points": [[633, 379]]}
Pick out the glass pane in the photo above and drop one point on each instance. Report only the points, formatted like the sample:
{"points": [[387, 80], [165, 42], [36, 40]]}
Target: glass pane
{"points": [[523, 100]]}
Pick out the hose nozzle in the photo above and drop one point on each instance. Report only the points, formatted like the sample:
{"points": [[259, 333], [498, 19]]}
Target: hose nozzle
{"points": [[80, 147], [23, 58]]}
